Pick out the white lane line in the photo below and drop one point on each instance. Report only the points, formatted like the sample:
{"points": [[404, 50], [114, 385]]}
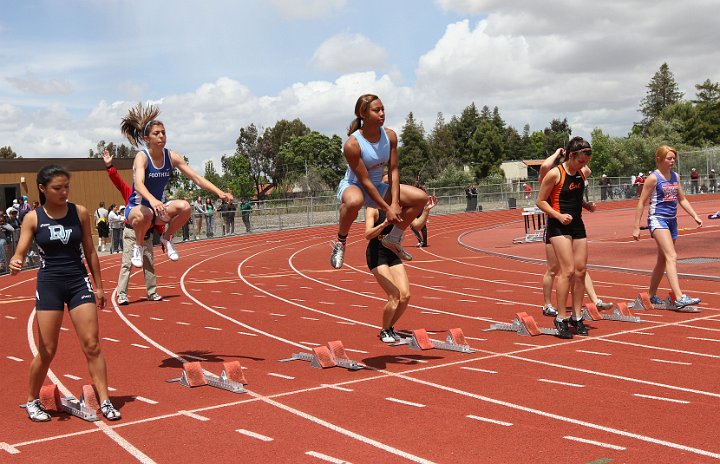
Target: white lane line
{"points": [[212, 328], [599, 353], [336, 387], [139, 346], [146, 400], [186, 303], [310, 318], [326, 302], [346, 322], [557, 382], [133, 315], [411, 359], [9, 448], [672, 362], [642, 333], [651, 315], [182, 323], [526, 344], [659, 348], [194, 416], [219, 307], [310, 343], [469, 301], [660, 398], [356, 351], [278, 315], [64, 329], [156, 319], [13, 358], [10, 317], [359, 305], [73, 377], [281, 376], [111, 339], [407, 403], [492, 421], [596, 443], [254, 435], [297, 299], [326, 458], [477, 369], [248, 334], [476, 338], [704, 339], [246, 310], [197, 358]]}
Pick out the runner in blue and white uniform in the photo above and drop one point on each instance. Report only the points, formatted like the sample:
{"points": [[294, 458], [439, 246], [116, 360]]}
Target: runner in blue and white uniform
{"points": [[368, 150], [151, 173], [664, 191], [62, 233]]}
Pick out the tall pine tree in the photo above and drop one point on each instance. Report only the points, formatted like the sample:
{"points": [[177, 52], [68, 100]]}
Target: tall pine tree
{"points": [[662, 92]]}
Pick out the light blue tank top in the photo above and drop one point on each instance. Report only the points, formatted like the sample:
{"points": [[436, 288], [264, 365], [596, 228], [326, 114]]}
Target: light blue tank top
{"points": [[374, 155], [156, 178], [663, 201]]}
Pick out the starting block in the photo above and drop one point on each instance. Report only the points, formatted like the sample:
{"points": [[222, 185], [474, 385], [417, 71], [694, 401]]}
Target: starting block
{"points": [[231, 378], [642, 303], [524, 325], [323, 357], [86, 408], [620, 313], [420, 340]]}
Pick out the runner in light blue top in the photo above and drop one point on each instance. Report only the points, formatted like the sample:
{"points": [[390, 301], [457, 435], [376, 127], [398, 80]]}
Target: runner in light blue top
{"points": [[664, 190], [369, 149]]}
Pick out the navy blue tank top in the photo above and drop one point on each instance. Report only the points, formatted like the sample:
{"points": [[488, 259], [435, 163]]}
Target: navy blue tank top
{"points": [[60, 245]]}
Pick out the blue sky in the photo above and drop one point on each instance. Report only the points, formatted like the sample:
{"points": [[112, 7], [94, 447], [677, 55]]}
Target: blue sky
{"points": [[72, 68]]}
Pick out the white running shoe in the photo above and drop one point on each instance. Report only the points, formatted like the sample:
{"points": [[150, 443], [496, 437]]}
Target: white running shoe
{"points": [[600, 304], [137, 256], [123, 300], [338, 255], [170, 248], [109, 411], [36, 411], [397, 249]]}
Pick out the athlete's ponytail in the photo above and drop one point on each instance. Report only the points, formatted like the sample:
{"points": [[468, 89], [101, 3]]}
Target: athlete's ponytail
{"points": [[361, 107], [138, 122], [46, 174]]}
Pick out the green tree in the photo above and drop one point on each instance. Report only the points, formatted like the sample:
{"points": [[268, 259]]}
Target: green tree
{"points": [[442, 150], [249, 146], [236, 175], [315, 161], [463, 128], [118, 151], [704, 124], [413, 151], [662, 91], [212, 175], [556, 135], [8, 153], [451, 176], [275, 137]]}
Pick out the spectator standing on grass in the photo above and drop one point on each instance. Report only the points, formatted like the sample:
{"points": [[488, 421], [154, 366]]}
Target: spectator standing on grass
{"points": [[230, 218], [711, 181], [209, 217], [245, 210], [198, 215], [62, 232], [694, 181], [664, 191], [117, 224], [223, 213], [604, 187], [103, 227]]}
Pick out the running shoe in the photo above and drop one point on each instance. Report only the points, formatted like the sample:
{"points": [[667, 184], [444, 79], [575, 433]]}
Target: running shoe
{"points": [[580, 327], [562, 327], [600, 304], [123, 300], [109, 411], [36, 411], [137, 256], [549, 310], [420, 244], [154, 297], [656, 300], [168, 245], [686, 301], [395, 335], [338, 255], [386, 336], [397, 248]]}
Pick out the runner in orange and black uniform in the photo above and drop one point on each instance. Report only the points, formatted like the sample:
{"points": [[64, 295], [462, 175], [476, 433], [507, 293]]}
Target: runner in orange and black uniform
{"points": [[561, 198]]}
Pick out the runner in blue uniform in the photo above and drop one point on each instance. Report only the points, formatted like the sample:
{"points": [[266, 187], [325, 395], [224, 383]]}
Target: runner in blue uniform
{"points": [[369, 148], [62, 233], [151, 172], [664, 191]]}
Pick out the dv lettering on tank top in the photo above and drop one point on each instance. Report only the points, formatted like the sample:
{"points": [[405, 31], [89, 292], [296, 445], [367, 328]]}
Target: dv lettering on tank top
{"points": [[58, 232]]}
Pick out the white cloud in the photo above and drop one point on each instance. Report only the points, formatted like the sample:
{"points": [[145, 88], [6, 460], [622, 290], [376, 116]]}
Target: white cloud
{"points": [[32, 83], [307, 9], [347, 52]]}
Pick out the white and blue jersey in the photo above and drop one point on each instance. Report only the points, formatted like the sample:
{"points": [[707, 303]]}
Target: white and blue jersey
{"points": [[156, 179], [59, 243], [375, 157], [663, 200]]}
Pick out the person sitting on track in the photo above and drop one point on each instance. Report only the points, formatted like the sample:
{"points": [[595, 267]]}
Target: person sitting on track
{"points": [[552, 263], [561, 198], [151, 172], [369, 148], [664, 190], [388, 268], [62, 232]]}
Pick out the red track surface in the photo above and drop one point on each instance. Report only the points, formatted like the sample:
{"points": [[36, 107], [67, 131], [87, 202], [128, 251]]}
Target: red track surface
{"points": [[635, 393]]}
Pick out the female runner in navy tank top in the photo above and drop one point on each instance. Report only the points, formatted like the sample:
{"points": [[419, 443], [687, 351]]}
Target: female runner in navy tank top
{"points": [[62, 232], [664, 191], [151, 172]]}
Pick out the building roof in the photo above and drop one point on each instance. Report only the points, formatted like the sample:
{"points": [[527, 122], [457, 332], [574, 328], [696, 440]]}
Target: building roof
{"points": [[72, 164]]}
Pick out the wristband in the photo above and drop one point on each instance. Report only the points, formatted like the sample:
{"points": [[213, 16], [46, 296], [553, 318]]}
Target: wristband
{"points": [[108, 167]]}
